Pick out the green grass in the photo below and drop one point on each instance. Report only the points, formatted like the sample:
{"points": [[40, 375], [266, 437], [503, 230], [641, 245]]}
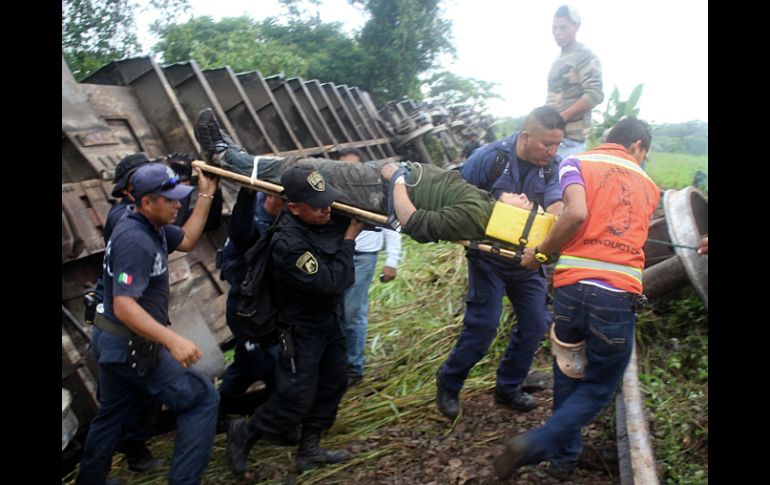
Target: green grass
{"points": [[675, 170], [673, 359], [413, 324]]}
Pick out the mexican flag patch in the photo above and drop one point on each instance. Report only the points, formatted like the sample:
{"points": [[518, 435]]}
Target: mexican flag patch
{"points": [[125, 278]]}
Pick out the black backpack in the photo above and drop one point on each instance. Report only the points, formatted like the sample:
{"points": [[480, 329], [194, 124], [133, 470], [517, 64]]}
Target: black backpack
{"points": [[501, 161], [255, 309]]}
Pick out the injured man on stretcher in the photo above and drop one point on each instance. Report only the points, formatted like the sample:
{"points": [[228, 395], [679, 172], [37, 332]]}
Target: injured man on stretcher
{"points": [[443, 205]]}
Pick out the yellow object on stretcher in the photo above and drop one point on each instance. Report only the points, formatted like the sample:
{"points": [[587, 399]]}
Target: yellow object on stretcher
{"points": [[508, 223]]}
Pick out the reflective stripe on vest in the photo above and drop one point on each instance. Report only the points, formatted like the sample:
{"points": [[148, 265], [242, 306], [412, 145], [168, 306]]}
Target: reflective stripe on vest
{"points": [[566, 262], [600, 157]]}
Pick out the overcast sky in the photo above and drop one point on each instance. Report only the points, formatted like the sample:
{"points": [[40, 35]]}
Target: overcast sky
{"points": [[662, 44]]}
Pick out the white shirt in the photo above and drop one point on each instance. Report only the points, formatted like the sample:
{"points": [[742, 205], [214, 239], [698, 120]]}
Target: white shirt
{"points": [[371, 242]]}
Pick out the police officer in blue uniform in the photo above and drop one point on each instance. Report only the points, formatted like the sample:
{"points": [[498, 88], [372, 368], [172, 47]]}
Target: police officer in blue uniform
{"points": [[138, 355], [311, 267], [530, 167]]}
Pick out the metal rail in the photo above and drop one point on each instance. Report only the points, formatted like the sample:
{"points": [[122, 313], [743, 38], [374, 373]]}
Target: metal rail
{"points": [[635, 454]]}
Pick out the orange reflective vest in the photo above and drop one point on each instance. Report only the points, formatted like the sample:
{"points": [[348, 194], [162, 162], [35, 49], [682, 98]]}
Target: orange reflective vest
{"points": [[621, 199]]}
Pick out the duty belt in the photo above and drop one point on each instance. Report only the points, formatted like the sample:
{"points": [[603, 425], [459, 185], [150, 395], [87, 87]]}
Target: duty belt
{"points": [[106, 325]]}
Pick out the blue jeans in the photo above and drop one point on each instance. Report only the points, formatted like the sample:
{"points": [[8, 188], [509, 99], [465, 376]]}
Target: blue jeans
{"points": [[488, 280], [569, 147], [356, 308], [606, 320], [186, 392]]}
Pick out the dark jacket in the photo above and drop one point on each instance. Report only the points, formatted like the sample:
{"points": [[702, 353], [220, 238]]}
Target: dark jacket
{"points": [[448, 207], [312, 266]]}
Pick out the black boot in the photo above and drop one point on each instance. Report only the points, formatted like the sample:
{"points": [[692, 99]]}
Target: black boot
{"points": [[518, 400], [240, 439], [139, 457], [448, 402], [311, 455]]}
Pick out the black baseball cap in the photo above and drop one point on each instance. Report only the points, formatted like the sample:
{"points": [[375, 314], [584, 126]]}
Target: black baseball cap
{"points": [[124, 169], [303, 183], [157, 178]]}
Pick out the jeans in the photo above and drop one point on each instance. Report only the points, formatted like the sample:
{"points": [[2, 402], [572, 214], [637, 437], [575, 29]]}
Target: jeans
{"points": [[488, 281], [356, 308], [186, 392], [606, 320], [569, 147]]}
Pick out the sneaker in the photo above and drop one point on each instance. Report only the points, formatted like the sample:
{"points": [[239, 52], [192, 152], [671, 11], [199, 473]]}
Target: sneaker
{"points": [[518, 400], [448, 402], [209, 134]]}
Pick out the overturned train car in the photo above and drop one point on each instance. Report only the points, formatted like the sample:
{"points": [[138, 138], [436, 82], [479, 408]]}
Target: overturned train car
{"points": [[136, 105]]}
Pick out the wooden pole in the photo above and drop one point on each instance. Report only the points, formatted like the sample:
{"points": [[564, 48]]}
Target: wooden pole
{"points": [[276, 189], [360, 214]]}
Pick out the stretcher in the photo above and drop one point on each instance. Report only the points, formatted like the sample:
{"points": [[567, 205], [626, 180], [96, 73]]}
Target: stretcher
{"points": [[503, 222]]}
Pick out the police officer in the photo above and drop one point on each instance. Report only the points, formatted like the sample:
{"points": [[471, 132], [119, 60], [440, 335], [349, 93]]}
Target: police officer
{"points": [[252, 215], [138, 355], [133, 444], [531, 169], [312, 265]]}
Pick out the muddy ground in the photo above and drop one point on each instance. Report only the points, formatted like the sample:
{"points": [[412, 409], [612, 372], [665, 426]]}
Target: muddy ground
{"points": [[422, 447]]}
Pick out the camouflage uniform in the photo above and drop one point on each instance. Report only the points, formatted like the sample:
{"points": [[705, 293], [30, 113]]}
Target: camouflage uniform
{"points": [[576, 73]]}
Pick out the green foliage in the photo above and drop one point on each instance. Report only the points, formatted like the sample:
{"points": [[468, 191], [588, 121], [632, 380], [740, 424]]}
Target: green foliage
{"points": [[329, 53], [436, 150], [238, 42], [401, 40], [450, 89], [95, 32], [614, 112], [675, 170], [673, 344]]}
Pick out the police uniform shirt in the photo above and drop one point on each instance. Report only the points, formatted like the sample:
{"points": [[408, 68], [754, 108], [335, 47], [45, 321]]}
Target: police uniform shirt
{"points": [[533, 183], [312, 267], [136, 265], [116, 213]]}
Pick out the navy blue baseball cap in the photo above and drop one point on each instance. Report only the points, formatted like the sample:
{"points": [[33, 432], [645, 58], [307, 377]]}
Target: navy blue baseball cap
{"points": [[303, 183], [157, 178]]}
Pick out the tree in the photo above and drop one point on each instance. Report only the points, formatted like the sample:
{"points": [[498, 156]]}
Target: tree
{"points": [[615, 111], [330, 54], [401, 40], [450, 89], [95, 32], [238, 42]]}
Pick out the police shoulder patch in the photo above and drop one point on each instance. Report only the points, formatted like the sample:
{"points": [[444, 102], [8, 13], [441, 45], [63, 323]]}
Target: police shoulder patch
{"points": [[307, 263]]}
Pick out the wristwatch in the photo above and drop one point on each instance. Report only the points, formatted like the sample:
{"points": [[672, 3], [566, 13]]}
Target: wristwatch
{"points": [[540, 257]]}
